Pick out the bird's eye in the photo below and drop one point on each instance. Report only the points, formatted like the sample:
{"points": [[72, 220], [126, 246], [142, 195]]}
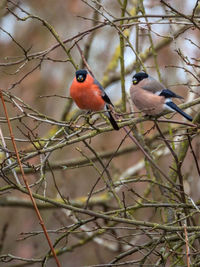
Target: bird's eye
{"points": [[135, 81]]}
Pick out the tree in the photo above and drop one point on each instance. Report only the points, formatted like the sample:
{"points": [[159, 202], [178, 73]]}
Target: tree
{"points": [[74, 191]]}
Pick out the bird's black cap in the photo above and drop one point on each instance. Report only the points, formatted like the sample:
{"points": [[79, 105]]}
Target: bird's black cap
{"points": [[81, 75], [139, 77], [81, 72]]}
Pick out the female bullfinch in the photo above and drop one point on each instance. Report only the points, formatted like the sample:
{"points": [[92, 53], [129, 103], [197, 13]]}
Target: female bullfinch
{"points": [[151, 97], [89, 94]]}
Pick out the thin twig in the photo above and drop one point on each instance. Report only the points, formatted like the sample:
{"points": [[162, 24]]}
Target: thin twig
{"points": [[26, 182], [187, 246], [193, 154]]}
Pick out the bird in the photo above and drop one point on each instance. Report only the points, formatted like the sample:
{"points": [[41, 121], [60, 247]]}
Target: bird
{"points": [[152, 97], [89, 94]]}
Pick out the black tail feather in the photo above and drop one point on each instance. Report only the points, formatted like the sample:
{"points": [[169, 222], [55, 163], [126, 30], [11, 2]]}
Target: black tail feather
{"points": [[177, 109], [112, 121]]}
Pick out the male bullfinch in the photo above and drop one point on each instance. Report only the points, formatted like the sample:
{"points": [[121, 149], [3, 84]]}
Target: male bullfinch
{"points": [[89, 94], [151, 97]]}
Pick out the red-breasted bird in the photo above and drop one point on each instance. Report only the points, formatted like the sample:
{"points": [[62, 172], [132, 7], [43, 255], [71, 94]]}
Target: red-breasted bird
{"points": [[89, 94], [151, 97]]}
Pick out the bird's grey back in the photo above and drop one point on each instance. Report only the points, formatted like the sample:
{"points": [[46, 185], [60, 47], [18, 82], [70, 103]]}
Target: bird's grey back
{"points": [[152, 85]]}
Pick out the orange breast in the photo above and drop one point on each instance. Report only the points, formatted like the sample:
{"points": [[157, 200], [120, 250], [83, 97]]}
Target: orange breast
{"points": [[87, 95]]}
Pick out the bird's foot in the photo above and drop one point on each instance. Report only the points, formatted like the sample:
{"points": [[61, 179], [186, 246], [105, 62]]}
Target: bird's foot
{"points": [[90, 121], [149, 117]]}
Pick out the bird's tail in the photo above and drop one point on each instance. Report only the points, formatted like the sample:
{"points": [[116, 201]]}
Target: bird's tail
{"points": [[113, 122], [111, 119], [173, 106]]}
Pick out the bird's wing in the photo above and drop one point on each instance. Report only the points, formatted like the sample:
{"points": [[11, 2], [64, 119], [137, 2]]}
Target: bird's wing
{"points": [[103, 93], [152, 85], [169, 94]]}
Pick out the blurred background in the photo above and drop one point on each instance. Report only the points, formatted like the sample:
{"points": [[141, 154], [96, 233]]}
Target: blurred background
{"points": [[38, 60]]}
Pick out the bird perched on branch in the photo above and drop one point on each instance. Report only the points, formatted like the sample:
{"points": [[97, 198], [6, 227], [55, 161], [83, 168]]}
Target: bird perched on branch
{"points": [[151, 97], [89, 94]]}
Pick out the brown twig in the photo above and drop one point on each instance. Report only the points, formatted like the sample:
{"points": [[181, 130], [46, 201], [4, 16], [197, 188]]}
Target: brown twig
{"points": [[146, 154], [187, 246], [26, 182], [178, 169], [181, 14], [193, 153], [84, 60]]}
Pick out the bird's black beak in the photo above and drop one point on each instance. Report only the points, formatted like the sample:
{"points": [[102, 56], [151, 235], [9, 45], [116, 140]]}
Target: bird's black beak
{"points": [[80, 78]]}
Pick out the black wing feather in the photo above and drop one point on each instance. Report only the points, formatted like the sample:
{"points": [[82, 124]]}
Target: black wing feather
{"points": [[107, 100], [103, 93], [169, 94]]}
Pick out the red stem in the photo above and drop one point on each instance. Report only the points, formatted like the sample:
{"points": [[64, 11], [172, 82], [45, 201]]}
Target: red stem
{"points": [[26, 182]]}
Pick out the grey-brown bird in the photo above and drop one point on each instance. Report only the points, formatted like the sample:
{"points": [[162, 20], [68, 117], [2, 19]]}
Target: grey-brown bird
{"points": [[151, 96]]}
